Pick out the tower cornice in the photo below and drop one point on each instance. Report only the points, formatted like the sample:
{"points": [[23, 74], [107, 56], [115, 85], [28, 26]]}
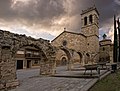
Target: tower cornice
{"points": [[90, 9]]}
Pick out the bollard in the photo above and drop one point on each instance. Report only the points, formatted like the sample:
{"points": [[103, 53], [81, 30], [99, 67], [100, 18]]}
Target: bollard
{"points": [[114, 67], [98, 69]]}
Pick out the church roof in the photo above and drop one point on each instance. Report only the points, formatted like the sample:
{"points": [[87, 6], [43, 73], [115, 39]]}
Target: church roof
{"points": [[105, 40], [70, 33]]}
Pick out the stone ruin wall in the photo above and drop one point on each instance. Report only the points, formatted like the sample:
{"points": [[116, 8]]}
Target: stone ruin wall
{"points": [[10, 43]]}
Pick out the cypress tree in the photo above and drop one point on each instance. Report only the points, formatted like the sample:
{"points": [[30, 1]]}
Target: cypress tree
{"points": [[115, 41], [118, 22]]}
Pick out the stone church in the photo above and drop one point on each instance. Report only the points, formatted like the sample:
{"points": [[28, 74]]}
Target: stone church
{"points": [[79, 47]]}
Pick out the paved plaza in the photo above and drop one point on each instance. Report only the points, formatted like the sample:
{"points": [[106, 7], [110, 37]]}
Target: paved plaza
{"points": [[52, 84], [31, 81]]}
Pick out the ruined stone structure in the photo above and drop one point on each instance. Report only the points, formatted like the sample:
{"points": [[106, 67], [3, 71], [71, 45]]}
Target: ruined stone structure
{"points": [[85, 43], [9, 44]]}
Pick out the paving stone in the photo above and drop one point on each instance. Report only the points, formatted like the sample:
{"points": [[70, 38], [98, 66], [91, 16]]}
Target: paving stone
{"points": [[31, 81]]}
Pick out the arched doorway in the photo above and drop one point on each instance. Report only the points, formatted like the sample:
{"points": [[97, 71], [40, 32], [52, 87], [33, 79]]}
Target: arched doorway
{"points": [[9, 46], [58, 57], [69, 63], [81, 57], [33, 60], [64, 61], [30, 55], [87, 58]]}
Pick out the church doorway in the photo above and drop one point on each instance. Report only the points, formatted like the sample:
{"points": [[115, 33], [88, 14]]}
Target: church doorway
{"points": [[63, 61], [80, 57]]}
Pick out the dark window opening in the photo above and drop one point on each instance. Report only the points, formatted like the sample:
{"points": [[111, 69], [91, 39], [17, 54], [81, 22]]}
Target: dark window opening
{"points": [[36, 62], [85, 21], [103, 49], [90, 19], [88, 55], [64, 43]]}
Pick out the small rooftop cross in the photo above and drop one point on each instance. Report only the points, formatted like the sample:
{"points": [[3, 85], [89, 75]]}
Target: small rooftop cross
{"points": [[64, 29], [104, 36]]}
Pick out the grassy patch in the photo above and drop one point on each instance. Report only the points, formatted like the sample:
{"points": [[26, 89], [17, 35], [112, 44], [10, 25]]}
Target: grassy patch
{"points": [[110, 83]]}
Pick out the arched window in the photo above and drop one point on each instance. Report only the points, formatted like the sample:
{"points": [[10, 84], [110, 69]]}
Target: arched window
{"points": [[91, 19], [87, 54], [85, 20]]}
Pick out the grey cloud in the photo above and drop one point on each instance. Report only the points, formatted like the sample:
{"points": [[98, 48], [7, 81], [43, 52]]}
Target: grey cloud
{"points": [[43, 12], [5, 9], [40, 9]]}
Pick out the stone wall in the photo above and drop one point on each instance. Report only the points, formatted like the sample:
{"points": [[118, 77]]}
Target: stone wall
{"points": [[92, 44], [90, 30], [60, 54], [78, 43], [107, 46], [10, 43], [74, 41]]}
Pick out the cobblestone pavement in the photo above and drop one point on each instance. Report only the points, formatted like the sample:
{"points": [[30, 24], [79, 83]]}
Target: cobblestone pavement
{"points": [[31, 81], [27, 73], [52, 84]]}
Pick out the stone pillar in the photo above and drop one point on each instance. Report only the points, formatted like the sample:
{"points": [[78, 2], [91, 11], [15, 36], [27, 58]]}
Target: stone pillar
{"points": [[69, 67], [83, 60], [8, 69], [70, 61], [24, 64], [1, 85], [42, 68], [46, 67], [54, 67]]}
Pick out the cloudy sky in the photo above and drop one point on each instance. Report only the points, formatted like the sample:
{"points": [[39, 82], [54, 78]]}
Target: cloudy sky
{"points": [[48, 18]]}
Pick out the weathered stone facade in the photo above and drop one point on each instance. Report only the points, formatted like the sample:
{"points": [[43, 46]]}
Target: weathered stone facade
{"points": [[106, 47], [9, 44], [86, 43], [61, 54]]}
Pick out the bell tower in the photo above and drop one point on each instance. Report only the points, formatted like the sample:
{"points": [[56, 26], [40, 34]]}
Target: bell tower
{"points": [[89, 21], [90, 28]]}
